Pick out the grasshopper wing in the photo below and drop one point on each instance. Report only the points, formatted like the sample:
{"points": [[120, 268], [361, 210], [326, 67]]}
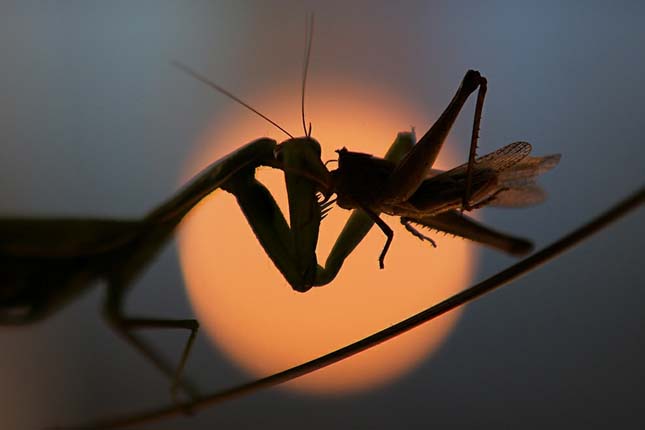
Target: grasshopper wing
{"points": [[519, 182], [445, 191], [498, 161], [515, 171]]}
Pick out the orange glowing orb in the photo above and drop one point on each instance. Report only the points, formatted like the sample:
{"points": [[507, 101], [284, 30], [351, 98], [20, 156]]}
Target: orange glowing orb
{"points": [[252, 313]]}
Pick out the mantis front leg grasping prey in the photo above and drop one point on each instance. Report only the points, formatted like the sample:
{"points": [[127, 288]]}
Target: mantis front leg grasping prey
{"points": [[401, 184]]}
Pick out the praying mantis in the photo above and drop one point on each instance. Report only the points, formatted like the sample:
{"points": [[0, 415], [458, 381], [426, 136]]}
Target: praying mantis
{"points": [[45, 263]]}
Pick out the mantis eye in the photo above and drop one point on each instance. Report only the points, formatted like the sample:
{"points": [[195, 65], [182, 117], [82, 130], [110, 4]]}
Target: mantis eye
{"points": [[277, 152]]}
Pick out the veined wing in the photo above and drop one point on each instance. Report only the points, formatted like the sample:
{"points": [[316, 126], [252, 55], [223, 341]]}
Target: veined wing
{"points": [[527, 195], [519, 184], [516, 173], [498, 161]]}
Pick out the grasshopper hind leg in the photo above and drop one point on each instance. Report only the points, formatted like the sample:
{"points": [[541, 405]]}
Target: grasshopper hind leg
{"points": [[456, 224], [416, 233], [481, 94]]}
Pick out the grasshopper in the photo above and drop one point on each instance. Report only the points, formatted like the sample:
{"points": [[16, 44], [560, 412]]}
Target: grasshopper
{"points": [[401, 184], [45, 263]]}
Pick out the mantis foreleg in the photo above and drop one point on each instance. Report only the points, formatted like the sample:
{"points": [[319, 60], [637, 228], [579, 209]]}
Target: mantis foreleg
{"points": [[291, 248]]}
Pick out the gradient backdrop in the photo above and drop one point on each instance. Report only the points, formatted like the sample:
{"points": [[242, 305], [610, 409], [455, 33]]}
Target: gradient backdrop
{"points": [[94, 121]]}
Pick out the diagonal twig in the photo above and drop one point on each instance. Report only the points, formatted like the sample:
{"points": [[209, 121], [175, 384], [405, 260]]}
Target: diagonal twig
{"points": [[468, 295]]}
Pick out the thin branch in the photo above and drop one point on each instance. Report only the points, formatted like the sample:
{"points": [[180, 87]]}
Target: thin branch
{"points": [[472, 293]]}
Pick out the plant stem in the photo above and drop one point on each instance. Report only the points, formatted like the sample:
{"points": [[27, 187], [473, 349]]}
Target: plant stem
{"points": [[502, 278]]}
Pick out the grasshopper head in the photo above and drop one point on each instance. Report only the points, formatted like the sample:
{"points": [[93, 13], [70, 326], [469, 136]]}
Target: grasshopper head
{"points": [[360, 178]]}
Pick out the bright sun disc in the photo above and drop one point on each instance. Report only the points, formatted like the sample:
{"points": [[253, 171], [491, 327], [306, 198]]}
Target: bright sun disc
{"points": [[252, 313]]}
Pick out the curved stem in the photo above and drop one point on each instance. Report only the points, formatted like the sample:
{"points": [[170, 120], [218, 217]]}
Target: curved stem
{"points": [[470, 294]]}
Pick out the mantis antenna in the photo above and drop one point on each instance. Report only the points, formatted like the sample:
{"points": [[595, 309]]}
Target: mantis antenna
{"points": [[228, 94], [309, 36]]}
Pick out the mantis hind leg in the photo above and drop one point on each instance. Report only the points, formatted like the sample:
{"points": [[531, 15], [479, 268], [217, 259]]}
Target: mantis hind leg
{"points": [[125, 325]]}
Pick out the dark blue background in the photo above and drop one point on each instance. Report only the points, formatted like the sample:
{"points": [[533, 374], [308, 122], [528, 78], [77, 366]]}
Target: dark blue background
{"points": [[93, 121]]}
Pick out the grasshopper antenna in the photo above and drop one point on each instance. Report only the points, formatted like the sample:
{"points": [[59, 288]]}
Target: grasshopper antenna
{"points": [[309, 36], [184, 68]]}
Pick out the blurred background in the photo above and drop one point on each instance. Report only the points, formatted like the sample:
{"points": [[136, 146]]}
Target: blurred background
{"points": [[95, 122]]}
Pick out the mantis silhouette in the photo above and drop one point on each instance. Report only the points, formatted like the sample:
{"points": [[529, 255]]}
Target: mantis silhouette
{"points": [[45, 263]]}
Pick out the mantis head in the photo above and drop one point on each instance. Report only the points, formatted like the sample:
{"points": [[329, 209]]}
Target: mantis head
{"points": [[301, 156]]}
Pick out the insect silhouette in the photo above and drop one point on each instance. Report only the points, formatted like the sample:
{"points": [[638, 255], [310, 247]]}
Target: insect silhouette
{"points": [[45, 263], [401, 184]]}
